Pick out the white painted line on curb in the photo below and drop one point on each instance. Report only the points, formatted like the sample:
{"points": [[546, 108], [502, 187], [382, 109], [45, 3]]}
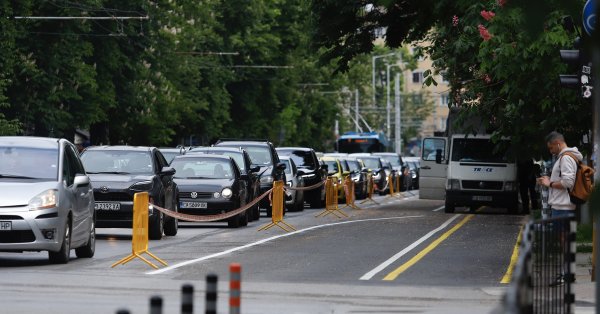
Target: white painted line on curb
{"points": [[239, 248], [439, 208], [394, 258]]}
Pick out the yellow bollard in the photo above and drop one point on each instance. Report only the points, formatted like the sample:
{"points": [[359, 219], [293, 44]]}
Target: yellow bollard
{"points": [[370, 190], [349, 191], [139, 238], [277, 209]]}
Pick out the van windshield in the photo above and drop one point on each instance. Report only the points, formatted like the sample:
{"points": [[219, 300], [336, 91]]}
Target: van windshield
{"points": [[481, 150]]}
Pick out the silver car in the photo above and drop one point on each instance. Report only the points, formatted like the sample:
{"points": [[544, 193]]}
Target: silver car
{"points": [[46, 199], [295, 201]]}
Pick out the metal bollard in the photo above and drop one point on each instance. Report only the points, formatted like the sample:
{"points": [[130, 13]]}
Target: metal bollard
{"points": [[123, 311], [235, 285], [211, 294], [156, 304], [187, 299]]}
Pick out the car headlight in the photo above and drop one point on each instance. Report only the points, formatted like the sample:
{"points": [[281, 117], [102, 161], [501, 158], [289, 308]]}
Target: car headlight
{"points": [[226, 193], [266, 179], [510, 186], [46, 199], [453, 184], [216, 195], [414, 175], [142, 186]]}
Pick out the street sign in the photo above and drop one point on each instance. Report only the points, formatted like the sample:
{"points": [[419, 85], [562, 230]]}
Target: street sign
{"points": [[589, 16]]}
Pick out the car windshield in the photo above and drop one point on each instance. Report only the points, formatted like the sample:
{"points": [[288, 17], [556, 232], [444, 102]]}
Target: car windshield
{"points": [[117, 162], [169, 155], [372, 163], [353, 165], [288, 166], [259, 155], [344, 164], [481, 150], [202, 168], [332, 166], [28, 163], [302, 159], [394, 160], [237, 157]]}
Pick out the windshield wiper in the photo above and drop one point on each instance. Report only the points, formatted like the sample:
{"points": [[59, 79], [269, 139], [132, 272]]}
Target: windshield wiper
{"points": [[107, 172], [12, 176]]}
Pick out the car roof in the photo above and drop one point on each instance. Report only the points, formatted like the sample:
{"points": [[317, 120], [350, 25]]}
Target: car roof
{"points": [[42, 142], [306, 149], [202, 155], [386, 154], [121, 147], [243, 142], [217, 149], [329, 158]]}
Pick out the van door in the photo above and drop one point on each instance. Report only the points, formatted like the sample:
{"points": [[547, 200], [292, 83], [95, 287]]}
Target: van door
{"points": [[434, 166]]}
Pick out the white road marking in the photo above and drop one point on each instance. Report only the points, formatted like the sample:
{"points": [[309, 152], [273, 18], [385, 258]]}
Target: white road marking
{"points": [[439, 208], [239, 248], [394, 258]]}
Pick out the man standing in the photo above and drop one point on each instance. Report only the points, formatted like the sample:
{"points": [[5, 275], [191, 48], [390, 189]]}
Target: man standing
{"points": [[562, 177]]}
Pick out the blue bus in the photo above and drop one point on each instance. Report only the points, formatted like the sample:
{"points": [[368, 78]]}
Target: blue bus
{"points": [[368, 142]]}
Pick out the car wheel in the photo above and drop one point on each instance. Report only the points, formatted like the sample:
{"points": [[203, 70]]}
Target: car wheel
{"points": [[244, 218], [62, 256], [449, 208], [299, 206], [88, 250], [234, 222], [172, 225], [155, 230]]}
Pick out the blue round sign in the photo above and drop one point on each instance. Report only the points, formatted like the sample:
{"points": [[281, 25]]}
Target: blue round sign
{"points": [[589, 16]]}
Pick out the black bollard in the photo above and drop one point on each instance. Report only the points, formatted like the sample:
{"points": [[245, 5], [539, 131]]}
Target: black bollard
{"points": [[187, 299], [123, 311], [156, 304], [211, 294]]}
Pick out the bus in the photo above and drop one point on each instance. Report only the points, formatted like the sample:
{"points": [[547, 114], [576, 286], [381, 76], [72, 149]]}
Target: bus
{"points": [[355, 142]]}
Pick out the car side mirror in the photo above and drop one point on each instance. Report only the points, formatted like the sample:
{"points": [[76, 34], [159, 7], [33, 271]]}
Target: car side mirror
{"points": [[81, 180], [255, 169], [244, 177], [281, 166], [364, 169], [325, 167], [167, 171], [301, 172]]}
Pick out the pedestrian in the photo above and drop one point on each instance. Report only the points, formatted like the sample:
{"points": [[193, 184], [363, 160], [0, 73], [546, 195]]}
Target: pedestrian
{"points": [[561, 179], [526, 177]]}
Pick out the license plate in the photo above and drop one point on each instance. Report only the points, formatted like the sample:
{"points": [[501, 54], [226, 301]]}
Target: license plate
{"points": [[482, 198], [5, 225], [193, 205], [107, 206]]}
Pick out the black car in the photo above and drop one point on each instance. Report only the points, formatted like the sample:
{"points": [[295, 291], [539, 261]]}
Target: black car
{"points": [[262, 154], [399, 165], [358, 174], [242, 159], [309, 167], [118, 172], [211, 184]]}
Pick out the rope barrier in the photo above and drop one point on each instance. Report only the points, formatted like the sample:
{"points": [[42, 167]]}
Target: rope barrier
{"points": [[209, 218], [306, 188]]}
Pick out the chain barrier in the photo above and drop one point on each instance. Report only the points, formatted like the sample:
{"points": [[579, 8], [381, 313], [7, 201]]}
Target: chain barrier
{"points": [[305, 188]]}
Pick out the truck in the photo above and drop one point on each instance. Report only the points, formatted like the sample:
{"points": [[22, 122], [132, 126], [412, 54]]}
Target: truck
{"points": [[469, 170]]}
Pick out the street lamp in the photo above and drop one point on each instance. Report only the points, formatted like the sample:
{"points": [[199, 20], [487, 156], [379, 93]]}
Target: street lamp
{"points": [[373, 71]]}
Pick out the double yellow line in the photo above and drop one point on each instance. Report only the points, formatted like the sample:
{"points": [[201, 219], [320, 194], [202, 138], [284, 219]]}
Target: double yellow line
{"points": [[394, 274]]}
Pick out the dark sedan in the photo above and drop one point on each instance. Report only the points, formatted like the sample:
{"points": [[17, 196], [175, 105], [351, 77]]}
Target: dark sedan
{"points": [[310, 169], [118, 172], [210, 184]]}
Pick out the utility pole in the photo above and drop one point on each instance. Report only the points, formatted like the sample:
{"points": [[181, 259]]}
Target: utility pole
{"points": [[356, 109], [373, 72], [398, 128], [388, 107], [596, 135]]}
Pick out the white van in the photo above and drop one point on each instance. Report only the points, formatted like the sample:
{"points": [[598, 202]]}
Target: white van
{"points": [[476, 172]]}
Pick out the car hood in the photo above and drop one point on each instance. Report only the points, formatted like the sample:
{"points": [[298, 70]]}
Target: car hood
{"points": [[20, 193], [203, 185], [117, 181]]}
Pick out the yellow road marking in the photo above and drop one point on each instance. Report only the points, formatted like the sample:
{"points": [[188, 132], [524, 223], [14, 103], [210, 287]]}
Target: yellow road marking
{"points": [[513, 259], [393, 275]]}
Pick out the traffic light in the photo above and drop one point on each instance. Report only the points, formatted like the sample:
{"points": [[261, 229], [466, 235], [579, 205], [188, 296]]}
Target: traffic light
{"points": [[582, 65]]}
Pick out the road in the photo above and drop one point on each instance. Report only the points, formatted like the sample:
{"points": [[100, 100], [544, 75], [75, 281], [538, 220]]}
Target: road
{"points": [[402, 256]]}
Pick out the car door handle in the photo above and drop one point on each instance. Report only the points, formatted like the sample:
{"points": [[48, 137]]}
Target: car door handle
{"points": [[426, 167]]}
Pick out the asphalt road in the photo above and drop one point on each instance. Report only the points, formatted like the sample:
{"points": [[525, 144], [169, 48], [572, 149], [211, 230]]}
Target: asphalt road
{"points": [[403, 256]]}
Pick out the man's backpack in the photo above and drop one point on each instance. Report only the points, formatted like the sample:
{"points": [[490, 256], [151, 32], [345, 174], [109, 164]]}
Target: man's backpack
{"points": [[582, 189]]}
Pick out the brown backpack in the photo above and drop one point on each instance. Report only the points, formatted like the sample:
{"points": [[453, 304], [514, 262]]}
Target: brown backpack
{"points": [[582, 189]]}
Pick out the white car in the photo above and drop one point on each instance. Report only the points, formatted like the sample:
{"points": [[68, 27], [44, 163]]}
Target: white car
{"points": [[46, 198], [294, 198]]}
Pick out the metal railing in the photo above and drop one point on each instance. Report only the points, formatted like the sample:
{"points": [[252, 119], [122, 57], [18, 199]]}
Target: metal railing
{"points": [[543, 277]]}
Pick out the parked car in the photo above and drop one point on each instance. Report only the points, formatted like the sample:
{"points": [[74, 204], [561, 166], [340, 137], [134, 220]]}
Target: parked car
{"points": [[264, 155], [171, 152], [413, 165], [375, 167], [118, 172], [358, 174], [309, 167], [335, 170], [46, 199], [390, 173], [294, 179], [211, 184], [249, 172], [398, 165]]}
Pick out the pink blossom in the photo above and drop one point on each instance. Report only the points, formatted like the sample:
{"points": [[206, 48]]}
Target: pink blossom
{"points": [[455, 21], [501, 3], [487, 15], [484, 33]]}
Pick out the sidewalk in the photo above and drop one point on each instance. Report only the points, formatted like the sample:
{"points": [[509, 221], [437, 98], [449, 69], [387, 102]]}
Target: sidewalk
{"points": [[584, 288]]}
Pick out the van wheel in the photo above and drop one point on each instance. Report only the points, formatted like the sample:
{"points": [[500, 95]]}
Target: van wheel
{"points": [[88, 250], [449, 208], [62, 256]]}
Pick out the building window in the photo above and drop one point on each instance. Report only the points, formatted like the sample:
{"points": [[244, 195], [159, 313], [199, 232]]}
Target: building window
{"points": [[417, 99], [380, 32], [444, 100], [444, 77], [417, 77]]}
